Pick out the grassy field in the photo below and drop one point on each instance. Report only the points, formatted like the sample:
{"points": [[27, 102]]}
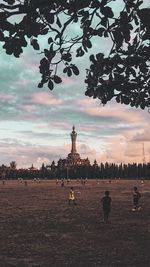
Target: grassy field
{"points": [[39, 228]]}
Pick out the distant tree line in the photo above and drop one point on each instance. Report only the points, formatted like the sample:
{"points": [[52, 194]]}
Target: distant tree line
{"points": [[95, 171]]}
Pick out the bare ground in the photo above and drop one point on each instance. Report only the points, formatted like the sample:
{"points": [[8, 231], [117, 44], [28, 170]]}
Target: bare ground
{"points": [[39, 229]]}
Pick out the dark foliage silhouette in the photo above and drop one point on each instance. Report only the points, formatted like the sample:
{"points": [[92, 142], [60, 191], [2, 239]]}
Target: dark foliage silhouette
{"points": [[123, 74]]}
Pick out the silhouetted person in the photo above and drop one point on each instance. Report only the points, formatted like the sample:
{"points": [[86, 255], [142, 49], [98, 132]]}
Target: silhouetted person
{"points": [[136, 198], [106, 203], [62, 183]]}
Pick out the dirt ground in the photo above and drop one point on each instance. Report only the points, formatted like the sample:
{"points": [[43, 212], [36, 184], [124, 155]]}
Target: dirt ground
{"points": [[39, 229]]}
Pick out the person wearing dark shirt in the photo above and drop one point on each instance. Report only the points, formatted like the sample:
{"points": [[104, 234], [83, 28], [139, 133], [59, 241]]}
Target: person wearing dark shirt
{"points": [[106, 203], [136, 198]]}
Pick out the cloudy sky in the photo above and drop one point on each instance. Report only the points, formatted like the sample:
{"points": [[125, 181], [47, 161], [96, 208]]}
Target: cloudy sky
{"points": [[35, 124]]}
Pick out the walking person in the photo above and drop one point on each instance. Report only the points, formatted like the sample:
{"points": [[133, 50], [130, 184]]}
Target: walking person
{"points": [[136, 199], [62, 183], [106, 204]]}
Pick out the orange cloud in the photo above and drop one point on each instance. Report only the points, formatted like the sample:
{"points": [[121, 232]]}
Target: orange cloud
{"points": [[90, 107], [119, 149], [44, 98], [142, 136]]}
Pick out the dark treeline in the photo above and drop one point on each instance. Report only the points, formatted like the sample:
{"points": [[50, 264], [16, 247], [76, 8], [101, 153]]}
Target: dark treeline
{"points": [[95, 171]]}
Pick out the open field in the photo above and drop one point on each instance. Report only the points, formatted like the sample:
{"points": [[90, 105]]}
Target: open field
{"points": [[39, 228]]}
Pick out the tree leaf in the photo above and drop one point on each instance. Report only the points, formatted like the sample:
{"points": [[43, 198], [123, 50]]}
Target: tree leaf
{"points": [[107, 12], [69, 72], [50, 85], [35, 44], [50, 40], [57, 79], [65, 70], [75, 70], [100, 31], [40, 85], [44, 31], [67, 57]]}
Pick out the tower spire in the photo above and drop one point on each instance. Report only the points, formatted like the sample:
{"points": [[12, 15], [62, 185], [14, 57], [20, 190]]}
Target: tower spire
{"points": [[73, 140]]}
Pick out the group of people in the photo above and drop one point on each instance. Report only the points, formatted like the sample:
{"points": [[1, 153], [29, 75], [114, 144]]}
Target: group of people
{"points": [[63, 181], [106, 202]]}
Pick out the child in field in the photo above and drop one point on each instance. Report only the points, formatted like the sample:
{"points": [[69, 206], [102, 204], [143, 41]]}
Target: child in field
{"points": [[72, 196], [106, 202], [62, 183], [136, 198]]}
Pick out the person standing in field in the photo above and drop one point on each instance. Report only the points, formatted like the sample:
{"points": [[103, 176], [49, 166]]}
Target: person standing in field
{"points": [[72, 196], [62, 183], [106, 204], [136, 198]]}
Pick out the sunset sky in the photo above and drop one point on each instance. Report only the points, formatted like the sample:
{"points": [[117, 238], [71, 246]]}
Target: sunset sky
{"points": [[35, 124]]}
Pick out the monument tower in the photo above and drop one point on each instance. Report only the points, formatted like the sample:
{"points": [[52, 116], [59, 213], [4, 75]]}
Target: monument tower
{"points": [[73, 159], [73, 140]]}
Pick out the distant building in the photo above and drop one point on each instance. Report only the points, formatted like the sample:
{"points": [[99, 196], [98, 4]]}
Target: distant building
{"points": [[73, 158], [32, 168]]}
